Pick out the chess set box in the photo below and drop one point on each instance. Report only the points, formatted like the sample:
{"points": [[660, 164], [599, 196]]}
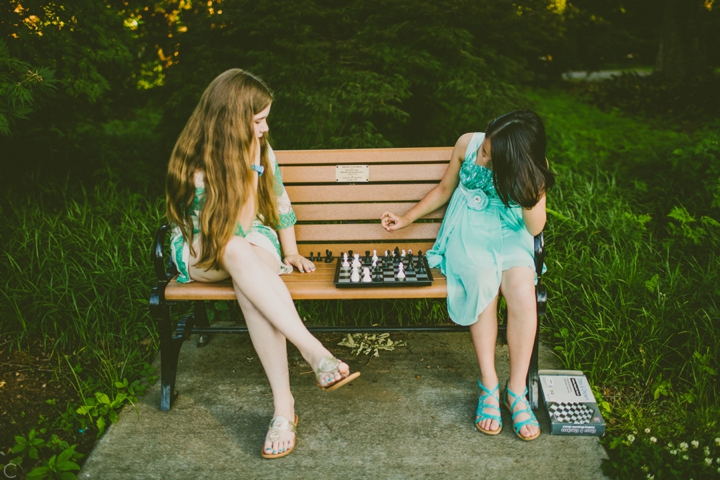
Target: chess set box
{"points": [[570, 403]]}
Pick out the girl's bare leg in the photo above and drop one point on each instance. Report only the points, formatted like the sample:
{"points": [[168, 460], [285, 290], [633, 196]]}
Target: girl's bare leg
{"points": [[518, 288], [484, 336], [271, 318]]}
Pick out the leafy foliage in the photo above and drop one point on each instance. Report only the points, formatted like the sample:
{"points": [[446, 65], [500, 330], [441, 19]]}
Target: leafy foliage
{"points": [[363, 74], [20, 86]]}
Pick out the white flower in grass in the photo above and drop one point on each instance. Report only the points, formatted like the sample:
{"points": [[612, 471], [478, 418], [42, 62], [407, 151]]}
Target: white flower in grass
{"points": [[685, 457], [695, 444], [706, 451], [650, 476], [670, 444], [644, 468], [683, 446], [708, 461], [631, 438], [647, 430], [673, 452], [717, 441], [653, 440]]}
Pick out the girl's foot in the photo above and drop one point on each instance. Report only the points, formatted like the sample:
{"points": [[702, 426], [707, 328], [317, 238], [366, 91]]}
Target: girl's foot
{"points": [[281, 438], [487, 417], [525, 423], [332, 373]]}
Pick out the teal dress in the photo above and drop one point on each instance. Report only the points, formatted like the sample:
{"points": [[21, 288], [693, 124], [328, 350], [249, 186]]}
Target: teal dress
{"points": [[479, 239]]}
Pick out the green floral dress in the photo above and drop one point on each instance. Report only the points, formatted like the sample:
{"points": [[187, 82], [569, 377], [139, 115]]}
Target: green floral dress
{"points": [[259, 234]]}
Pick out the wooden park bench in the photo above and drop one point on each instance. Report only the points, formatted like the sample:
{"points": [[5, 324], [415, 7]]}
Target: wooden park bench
{"points": [[338, 197]]}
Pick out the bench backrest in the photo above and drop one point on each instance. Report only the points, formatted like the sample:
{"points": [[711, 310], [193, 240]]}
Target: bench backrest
{"points": [[338, 210]]}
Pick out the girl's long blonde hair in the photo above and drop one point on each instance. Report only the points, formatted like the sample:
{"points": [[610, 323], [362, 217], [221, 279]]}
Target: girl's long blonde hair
{"points": [[218, 140]]}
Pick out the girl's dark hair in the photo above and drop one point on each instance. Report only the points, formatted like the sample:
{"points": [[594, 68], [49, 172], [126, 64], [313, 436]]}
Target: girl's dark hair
{"points": [[517, 153]]}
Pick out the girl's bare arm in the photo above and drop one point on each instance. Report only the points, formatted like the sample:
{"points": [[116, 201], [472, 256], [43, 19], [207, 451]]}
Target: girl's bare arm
{"points": [[435, 198]]}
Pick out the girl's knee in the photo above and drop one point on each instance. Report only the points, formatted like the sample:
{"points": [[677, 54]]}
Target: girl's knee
{"points": [[236, 249]]}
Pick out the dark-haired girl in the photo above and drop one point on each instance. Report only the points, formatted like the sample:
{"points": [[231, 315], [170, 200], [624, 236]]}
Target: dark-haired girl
{"points": [[496, 183]]}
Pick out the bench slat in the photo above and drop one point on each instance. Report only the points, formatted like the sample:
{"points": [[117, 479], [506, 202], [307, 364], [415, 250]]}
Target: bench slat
{"points": [[355, 211], [302, 289], [377, 173], [363, 156], [358, 193], [364, 231]]}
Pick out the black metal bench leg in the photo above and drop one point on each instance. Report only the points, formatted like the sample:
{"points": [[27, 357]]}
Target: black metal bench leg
{"points": [[169, 347], [201, 320], [533, 380]]}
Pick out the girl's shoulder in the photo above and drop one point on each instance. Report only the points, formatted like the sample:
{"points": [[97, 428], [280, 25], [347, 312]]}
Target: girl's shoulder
{"points": [[199, 179], [469, 144]]}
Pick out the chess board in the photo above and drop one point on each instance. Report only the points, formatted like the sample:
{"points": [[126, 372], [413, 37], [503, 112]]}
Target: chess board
{"points": [[386, 276], [570, 412]]}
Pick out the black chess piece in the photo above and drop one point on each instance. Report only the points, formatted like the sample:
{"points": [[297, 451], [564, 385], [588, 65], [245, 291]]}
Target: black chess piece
{"points": [[311, 257], [319, 257], [378, 274], [350, 254], [420, 265], [329, 256], [410, 268], [396, 252], [367, 256]]}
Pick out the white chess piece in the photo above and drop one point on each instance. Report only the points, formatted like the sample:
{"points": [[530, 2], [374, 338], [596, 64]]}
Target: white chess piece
{"points": [[345, 263], [374, 257], [355, 275], [402, 254], [356, 263], [401, 271], [374, 263], [366, 275]]}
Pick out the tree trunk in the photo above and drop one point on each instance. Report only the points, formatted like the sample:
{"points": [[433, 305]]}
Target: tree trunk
{"points": [[682, 52]]}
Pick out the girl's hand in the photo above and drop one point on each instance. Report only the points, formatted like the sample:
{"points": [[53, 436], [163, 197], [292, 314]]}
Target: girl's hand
{"points": [[391, 222], [299, 262]]}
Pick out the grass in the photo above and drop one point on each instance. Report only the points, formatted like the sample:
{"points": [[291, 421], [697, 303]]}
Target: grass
{"points": [[633, 243]]}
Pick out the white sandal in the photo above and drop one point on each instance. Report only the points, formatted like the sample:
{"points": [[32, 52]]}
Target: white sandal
{"points": [[278, 426], [330, 365]]}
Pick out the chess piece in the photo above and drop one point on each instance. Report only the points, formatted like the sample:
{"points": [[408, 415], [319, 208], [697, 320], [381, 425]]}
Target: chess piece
{"points": [[374, 257], [366, 278], [420, 264], [355, 275], [328, 256], [411, 267], [378, 274], [345, 263], [311, 257], [401, 272], [319, 257], [367, 256], [374, 263], [356, 261], [396, 252], [403, 254]]}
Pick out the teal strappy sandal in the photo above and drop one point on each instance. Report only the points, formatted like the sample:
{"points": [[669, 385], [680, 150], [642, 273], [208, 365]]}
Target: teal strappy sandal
{"points": [[481, 415], [532, 420]]}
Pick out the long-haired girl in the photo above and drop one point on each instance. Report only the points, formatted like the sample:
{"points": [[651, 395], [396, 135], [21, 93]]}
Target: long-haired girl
{"points": [[232, 218]]}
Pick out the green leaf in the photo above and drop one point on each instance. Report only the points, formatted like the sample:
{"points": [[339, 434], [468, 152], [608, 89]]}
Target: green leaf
{"points": [[66, 466], [100, 424], [38, 472]]}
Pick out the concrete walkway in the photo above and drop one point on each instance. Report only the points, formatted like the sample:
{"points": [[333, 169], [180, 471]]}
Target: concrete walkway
{"points": [[410, 415]]}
